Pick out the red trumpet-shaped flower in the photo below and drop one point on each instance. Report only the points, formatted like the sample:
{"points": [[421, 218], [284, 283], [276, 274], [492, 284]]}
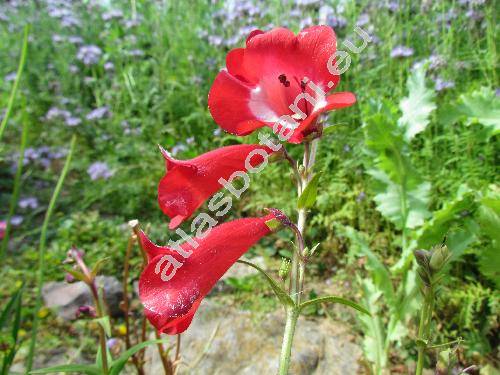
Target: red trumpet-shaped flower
{"points": [[279, 79], [175, 281], [187, 184]]}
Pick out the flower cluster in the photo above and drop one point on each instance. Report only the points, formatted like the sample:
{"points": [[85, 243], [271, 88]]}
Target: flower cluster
{"points": [[278, 80]]}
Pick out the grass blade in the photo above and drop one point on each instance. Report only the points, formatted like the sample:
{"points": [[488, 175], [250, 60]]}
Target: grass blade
{"points": [[41, 254], [17, 184], [15, 86]]}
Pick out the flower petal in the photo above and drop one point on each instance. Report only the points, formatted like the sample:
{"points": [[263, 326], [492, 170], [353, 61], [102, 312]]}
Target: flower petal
{"points": [[187, 184], [171, 302]]}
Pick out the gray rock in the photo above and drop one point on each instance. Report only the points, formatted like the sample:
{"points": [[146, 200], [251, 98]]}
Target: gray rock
{"points": [[67, 298], [237, 270], [248, 345]]}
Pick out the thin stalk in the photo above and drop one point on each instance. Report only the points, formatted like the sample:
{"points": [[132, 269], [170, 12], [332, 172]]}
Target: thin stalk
{"points": [[17, 184], [126, 304], [15, 86], [177, 353], [41, 255], [297, 273], [423, 328], [286, 349], [102, 334], [167, 365]]}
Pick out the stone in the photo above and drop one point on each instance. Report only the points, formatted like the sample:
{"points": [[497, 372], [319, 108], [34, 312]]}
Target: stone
{"points": [[237, 270], [66, 298], [246, 344]]}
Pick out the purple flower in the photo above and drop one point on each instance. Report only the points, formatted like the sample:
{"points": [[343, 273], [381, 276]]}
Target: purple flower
{"points": [[16, 220], [442, 85], [89, 55], [178, 148], [113, 14], [72, 121], [305, 22], [112, 342], [75, 39], [361, 196], [10, 77], [363, 19], [401, 51], [28, 202], [497, 92], [99, 170], [109, 66], [98, 113]]}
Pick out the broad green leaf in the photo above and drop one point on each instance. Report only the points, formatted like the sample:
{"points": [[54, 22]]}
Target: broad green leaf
{"points": [[482, 106], [308, 196], [404, 207], [280, 293], [333, 299], [434, 230], [417, 106], [121, 361], [78, 369]]}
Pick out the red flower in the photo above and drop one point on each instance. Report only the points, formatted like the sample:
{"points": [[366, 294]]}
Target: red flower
{"points": [[275, 70], [175, 281], [189, 183]]}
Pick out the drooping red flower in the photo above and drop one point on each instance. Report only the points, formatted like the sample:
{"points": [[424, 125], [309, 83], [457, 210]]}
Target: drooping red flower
{"points": [[175, 281], [187, 184], [263, 79]]}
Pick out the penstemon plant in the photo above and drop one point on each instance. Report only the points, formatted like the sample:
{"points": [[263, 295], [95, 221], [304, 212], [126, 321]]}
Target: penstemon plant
{"points": [[279, 80]]}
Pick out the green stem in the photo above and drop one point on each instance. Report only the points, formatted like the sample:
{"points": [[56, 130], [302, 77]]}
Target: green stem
{"points": [[41, 255], [424, 327], [15, 86], [292, 316], [17, 184]]}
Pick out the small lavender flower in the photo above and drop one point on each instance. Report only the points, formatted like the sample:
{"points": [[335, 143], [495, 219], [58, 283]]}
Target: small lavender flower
{"points": [[393, 6], [73, 69], [113, 14], [112, 342], [442, 85], [89, 55], [72, 121], [497, 92], [98, 113], [99, 170], [28, 202], [16, 220], [363, 19], [10, 77], [178, 148], [135, 53], [401, 52], [55, 113], [109, 66], [56, 38], [75, 39], [306, 22], [361, 196], [215, 40]]}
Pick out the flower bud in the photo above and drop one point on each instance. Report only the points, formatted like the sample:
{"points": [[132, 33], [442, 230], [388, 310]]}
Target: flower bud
{"points": [[422, 257], [86, 311], [69, 278], [439, 257], [284, 268]]}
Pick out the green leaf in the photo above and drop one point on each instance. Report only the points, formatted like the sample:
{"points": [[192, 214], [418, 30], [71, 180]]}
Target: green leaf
{"points": [[81, 369], [417, 106], [489, 263], [121, 361], [482, 106], [280, 293], [11, 352], [378, 271], [404, 207], [98, 265], [333, 299], [9, 307], [308, 196], [434, 230], [105, 324]]}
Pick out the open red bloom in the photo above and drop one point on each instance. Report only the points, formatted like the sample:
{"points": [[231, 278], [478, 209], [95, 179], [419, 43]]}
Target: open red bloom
{"points": [[277, 69], [187, 184], [175, 281]]}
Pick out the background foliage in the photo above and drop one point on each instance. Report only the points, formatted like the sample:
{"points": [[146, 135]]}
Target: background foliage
{"points": [[413, 164]]}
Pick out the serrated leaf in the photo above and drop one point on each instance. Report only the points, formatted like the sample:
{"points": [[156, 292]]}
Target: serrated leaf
{"points": [[308, 196], [121, 361], [280, 293], [333, 299], [82, 369], [391, 197], [417, 106], [482, 106]]}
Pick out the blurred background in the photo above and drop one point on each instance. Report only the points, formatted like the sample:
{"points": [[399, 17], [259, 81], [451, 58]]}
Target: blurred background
{"points": [[124, 76]]}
